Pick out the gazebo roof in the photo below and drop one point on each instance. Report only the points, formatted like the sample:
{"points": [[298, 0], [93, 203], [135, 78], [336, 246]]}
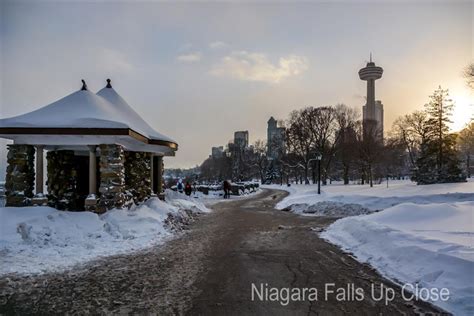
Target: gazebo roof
{"points": [[126, 111], [96, 117]]}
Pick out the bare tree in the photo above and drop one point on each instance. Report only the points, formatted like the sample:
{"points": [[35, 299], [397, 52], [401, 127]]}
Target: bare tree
{"points": [[466, 146], [394, 158], [216, 169], [469, 75], [260, 159], [411, 130], [370, 148], [299, 138], [322, 124], [345, 140]]}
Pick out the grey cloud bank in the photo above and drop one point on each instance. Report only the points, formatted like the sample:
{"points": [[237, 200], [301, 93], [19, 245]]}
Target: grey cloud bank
{"points": [[242, 62]]}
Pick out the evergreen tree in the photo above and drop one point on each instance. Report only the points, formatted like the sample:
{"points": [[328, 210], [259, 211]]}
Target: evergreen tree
{"points": [[438, 161]]}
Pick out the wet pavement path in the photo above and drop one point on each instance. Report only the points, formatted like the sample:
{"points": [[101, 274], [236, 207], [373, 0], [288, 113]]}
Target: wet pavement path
{"points": [[210, 270]]}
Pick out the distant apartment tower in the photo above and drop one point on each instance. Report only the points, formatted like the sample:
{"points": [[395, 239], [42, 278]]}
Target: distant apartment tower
{"points": [[241, 139], [275, 139], [372, 110], [217, 152]]}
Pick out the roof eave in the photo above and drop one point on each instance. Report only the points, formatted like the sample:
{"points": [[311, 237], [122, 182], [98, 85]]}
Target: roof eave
{"points": [[87, 131]]}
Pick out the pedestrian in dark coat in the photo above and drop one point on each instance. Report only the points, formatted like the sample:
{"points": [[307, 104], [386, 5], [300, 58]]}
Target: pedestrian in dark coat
{"points": [[188, 189], [226, 186]]}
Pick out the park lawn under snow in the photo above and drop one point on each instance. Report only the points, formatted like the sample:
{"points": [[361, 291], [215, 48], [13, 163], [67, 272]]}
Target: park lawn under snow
{"points": [[421, 235], [42, 239], [379, 197]]}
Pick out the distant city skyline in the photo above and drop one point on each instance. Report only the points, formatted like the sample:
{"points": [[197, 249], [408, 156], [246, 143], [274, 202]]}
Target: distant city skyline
{"points": [[200, 72]]}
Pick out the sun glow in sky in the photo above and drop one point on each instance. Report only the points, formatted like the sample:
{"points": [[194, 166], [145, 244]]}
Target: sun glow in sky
{"points": [[200, 71], [463, 109]]}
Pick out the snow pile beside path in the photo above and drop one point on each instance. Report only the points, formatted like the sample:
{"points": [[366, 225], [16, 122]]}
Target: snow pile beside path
{"points": [[430, 245], [379, 197], [183, 201], [41, 239], [212, 198], [329, 208]]}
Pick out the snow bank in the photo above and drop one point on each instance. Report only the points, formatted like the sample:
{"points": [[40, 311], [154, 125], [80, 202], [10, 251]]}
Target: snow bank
{"points": [[329, 208], [213, 197], [379, 197], [40, 239], [430, 245], [423, 234], [183, 201]]}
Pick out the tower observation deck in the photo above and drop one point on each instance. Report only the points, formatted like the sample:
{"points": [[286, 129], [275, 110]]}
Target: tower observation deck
{"points": [[370, 73], [373, 109]]}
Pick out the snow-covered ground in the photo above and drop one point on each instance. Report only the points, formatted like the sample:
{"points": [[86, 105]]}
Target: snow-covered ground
{"points": [[379, 197], [422, 235], [216, 196], [41, 239]]}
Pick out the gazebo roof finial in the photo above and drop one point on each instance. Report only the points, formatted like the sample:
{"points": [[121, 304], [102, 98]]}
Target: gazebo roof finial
{"points": [[84, 85], [108, 83]]}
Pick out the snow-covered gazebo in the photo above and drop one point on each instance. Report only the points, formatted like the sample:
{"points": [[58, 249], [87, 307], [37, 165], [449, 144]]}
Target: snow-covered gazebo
{"points": [[92, 141]]}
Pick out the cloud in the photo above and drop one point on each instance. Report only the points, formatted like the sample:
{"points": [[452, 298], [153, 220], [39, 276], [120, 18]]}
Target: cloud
{"points": [[112, 60], [257, 67], [185, 47], [189, 58], [217, 45]]}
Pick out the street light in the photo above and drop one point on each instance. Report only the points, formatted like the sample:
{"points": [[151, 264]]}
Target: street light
{"points": [[318, 158]]}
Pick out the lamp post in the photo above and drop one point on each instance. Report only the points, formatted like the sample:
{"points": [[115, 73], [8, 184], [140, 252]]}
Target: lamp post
{"points": [[318, 158]]}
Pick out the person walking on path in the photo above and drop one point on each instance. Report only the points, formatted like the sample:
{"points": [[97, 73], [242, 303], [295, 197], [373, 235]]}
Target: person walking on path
{"points": [[180, 186], [188, 189], [226, 189]]}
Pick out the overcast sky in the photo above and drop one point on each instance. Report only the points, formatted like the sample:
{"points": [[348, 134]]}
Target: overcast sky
{"points": [[199, 72]]}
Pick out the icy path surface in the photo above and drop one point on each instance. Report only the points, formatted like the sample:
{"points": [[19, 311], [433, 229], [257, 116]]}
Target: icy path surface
{"points": [[208, 271], [421, 235], [41, 239]]}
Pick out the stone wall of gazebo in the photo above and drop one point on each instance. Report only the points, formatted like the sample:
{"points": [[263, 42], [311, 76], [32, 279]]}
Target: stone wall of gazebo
{"points": [[20, 175], [138, 180], [112, 178], [120, 178]]}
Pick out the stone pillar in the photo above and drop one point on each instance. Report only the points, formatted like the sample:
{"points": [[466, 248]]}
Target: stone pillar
{"points": [[39, 169], [138, 175], [159, 171], [112, 177], [92, 171], [90, 203], [152, 175], [20, 175], [39, 198]]}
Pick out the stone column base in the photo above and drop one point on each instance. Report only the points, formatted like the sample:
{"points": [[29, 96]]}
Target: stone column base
{"points": [[39, 200], [90, 204], [112, 178], [20, 176]]}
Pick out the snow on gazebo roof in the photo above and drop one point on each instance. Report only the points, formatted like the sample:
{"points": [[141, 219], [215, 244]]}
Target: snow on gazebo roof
{"points": [[126, 111], [85, 113]]}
